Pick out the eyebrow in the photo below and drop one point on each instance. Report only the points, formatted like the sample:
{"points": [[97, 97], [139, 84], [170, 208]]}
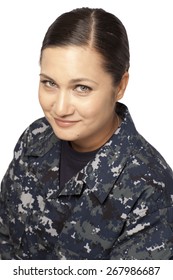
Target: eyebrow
{"points": [[71, 81], [46, 76]]}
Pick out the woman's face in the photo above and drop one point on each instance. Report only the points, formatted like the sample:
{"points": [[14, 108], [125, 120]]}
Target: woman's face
{"points": [[77, 96]]}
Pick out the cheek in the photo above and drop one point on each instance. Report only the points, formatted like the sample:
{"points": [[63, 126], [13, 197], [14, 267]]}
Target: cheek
{"points": [[87, 111], [97, 108], [45, 101]]}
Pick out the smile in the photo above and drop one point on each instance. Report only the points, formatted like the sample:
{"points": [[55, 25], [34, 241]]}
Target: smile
{"points": [[65, 123]]}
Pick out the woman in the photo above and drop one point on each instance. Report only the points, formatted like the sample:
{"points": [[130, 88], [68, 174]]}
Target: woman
{"points": [[83, 183]]}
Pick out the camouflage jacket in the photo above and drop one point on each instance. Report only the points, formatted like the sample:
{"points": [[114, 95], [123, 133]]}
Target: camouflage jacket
{"points": [[119, 206]]}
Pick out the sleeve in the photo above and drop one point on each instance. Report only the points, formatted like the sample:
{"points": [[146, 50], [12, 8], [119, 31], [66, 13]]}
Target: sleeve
{"points": [[7, 200], [147, 235], [6, 246]]}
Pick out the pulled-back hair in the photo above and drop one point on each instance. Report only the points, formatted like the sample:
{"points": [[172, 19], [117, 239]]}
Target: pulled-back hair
{"points": [[97, 29]]}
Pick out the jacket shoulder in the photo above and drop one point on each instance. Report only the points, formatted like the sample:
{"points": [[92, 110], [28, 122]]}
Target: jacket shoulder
{"points": [[37, 138], [38, 129]]}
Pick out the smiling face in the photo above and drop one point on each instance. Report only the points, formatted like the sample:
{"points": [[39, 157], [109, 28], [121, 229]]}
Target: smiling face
{"points": [[78, 96]]}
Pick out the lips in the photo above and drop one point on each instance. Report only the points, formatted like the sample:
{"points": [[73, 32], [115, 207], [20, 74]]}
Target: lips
{"points": [[65, 123]]}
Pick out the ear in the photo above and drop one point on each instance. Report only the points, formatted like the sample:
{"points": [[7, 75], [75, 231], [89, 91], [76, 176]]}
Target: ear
{"points": [[122, 86]]}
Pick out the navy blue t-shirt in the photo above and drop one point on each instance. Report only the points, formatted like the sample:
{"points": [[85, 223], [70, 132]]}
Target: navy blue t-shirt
{"points": [[72, 162]]}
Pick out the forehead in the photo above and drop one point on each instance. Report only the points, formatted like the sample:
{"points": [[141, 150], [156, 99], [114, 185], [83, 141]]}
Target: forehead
{"points": [[64, 64], [70, 52], [72, 58]]}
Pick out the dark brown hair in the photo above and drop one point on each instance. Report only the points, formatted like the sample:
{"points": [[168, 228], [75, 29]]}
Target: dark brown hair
{"points": [[96, 28]]}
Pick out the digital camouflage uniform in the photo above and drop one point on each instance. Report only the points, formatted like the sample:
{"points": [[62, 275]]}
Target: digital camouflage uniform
{"points": [[120, 206]]}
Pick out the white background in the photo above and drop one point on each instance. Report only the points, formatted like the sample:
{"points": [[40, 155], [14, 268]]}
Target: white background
{"points": [[149, 25]]}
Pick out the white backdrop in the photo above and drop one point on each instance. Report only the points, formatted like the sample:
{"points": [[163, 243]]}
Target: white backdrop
{"points": [[149, 94]]}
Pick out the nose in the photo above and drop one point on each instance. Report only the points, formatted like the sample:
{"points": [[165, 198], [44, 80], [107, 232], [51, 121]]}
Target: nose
{"points": [[63, 105]]}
